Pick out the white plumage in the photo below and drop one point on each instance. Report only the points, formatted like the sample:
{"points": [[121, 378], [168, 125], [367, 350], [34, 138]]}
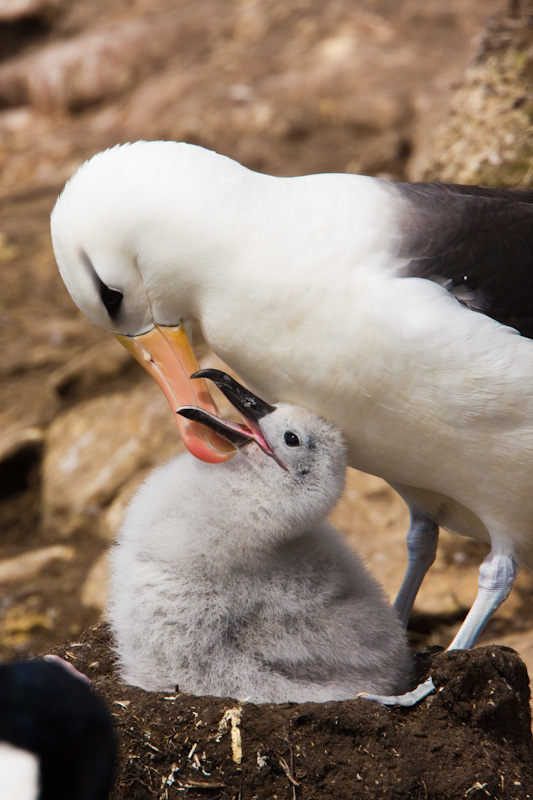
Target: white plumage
{"points": [[19, 773], [227, 580]]}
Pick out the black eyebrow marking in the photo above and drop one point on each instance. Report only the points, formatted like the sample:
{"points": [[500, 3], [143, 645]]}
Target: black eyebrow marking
{"points": [[110, 297]]}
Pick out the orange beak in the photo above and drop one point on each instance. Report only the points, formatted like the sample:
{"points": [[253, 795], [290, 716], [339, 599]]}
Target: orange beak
{"points": [[166, 354]]}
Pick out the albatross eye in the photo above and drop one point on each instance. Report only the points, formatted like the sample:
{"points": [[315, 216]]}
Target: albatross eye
{"points": [[291, 440], [111, 298]]}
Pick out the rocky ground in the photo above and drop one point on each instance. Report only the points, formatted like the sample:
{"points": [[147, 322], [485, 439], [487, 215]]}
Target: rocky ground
{"points": [[285, 87]]}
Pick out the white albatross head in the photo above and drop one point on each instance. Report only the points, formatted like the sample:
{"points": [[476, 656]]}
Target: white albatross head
{"points": [[128, 247]]}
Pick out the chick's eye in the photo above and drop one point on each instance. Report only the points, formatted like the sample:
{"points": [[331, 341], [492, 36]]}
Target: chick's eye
{"points": [[291, 440]]}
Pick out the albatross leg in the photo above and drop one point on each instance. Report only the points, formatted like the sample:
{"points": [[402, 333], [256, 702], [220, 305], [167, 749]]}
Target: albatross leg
{"points": [[422, 539], [496, 577]]}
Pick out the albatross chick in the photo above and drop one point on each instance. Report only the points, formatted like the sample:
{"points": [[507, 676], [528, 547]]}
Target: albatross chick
{"points": [[227, 580]]}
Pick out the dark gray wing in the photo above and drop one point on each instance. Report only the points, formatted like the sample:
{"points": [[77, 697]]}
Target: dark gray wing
{"points": [[475, 241]]}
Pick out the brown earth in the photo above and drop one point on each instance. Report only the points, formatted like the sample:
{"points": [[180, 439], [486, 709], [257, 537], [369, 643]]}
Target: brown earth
{"points": [[469, 740]]}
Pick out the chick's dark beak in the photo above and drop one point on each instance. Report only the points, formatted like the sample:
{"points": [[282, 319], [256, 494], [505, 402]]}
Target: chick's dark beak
{"points": [[251, 407], [248, 404], [233, 432]]}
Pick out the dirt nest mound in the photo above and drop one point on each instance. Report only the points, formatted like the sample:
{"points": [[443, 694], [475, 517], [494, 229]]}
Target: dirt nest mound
{"points": [[472, 738]]}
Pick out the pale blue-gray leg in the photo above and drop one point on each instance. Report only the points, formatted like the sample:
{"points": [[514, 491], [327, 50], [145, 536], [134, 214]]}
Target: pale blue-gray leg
{"points": [[496, 577], [407, 699], [422, 539]]}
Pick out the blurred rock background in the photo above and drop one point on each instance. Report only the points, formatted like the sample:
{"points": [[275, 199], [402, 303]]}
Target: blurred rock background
{"points": [[375, 86]]}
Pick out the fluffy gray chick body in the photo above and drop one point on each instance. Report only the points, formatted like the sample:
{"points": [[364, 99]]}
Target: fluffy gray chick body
{"points": [[227, 580]]}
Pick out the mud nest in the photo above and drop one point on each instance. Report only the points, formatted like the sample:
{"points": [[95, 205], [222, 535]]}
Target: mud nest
{"points": [[470, 739]]}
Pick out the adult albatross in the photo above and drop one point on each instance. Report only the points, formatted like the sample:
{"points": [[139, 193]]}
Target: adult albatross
{"points": [[403, 313]]}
